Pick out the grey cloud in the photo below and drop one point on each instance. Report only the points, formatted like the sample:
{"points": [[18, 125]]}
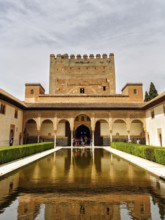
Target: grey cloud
{"points": [[128, 28]]}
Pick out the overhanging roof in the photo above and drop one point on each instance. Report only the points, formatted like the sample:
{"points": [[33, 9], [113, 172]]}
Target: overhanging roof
{"points": [[85, 106], [11, 99]]}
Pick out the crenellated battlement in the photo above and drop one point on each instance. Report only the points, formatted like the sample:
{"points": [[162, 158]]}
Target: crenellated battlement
{"points": [[84, 57]]}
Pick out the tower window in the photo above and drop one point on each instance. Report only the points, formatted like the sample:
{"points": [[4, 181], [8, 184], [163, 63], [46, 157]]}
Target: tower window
{"points": [[31, 91], [135, 91], [82, 90], [104, 88]]}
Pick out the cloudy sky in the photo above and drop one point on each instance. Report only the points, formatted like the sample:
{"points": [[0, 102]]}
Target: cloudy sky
{"points": [[30, 30]]}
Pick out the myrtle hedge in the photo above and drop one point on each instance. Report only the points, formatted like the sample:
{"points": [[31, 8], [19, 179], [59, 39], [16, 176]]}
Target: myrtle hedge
{"points": [[11, 153], [155, 154]]}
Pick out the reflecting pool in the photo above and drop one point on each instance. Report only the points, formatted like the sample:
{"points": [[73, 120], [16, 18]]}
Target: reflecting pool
{"points": [[75, 184]]}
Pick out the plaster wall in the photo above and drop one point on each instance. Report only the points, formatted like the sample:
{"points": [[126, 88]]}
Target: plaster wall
{"points": [[7, 120], [156, 125]]}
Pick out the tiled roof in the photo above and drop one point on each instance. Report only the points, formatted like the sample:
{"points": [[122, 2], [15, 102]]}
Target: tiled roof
{"points": [[158, 99], [11, 99]]}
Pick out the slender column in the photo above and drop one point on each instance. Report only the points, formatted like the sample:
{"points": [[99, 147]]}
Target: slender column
{"points": [[38, 136], [38, 126], [110, 127], [128, 127], [129, 137], [147, 138], [71, 121], [111, 136], [93, 129], [55, 123]]}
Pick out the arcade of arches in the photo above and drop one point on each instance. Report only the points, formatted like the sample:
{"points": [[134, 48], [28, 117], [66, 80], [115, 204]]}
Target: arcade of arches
{"points": [[83, 129]]}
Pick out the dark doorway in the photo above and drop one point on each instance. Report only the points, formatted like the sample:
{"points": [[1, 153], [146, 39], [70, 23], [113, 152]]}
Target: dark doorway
{"points": [[82, 135], [11, 135], [160, 139]]}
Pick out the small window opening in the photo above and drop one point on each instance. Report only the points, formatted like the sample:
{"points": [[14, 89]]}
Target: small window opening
{"points": [[2, 109], [16, 113], [107, 211], [135, 91], [32, 91], [82, 209], [104, 88], [82, 90], [152, 114], [142, 209]]}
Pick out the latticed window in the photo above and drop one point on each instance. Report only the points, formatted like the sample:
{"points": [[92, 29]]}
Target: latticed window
{"points": [[82, 90]]}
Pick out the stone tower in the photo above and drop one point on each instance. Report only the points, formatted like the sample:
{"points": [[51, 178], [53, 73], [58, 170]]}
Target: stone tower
{"points": [[76, 75]]}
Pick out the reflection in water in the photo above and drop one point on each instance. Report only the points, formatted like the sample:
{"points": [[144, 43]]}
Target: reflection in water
{"points": [[82, 184]]}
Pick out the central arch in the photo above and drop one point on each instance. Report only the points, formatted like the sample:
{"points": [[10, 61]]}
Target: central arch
{"points": [[82, 130], [83, 134]]}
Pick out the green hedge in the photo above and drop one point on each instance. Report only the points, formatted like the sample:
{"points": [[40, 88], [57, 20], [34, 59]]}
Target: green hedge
{"points": [[155, 154], [11, 153]]}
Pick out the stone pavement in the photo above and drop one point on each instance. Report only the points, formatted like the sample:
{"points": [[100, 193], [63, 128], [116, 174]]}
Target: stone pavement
{"points": [[11, 166], [154, 168]]}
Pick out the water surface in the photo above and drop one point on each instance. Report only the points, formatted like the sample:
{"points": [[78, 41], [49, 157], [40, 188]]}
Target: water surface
{"points": [[82, 184]]}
